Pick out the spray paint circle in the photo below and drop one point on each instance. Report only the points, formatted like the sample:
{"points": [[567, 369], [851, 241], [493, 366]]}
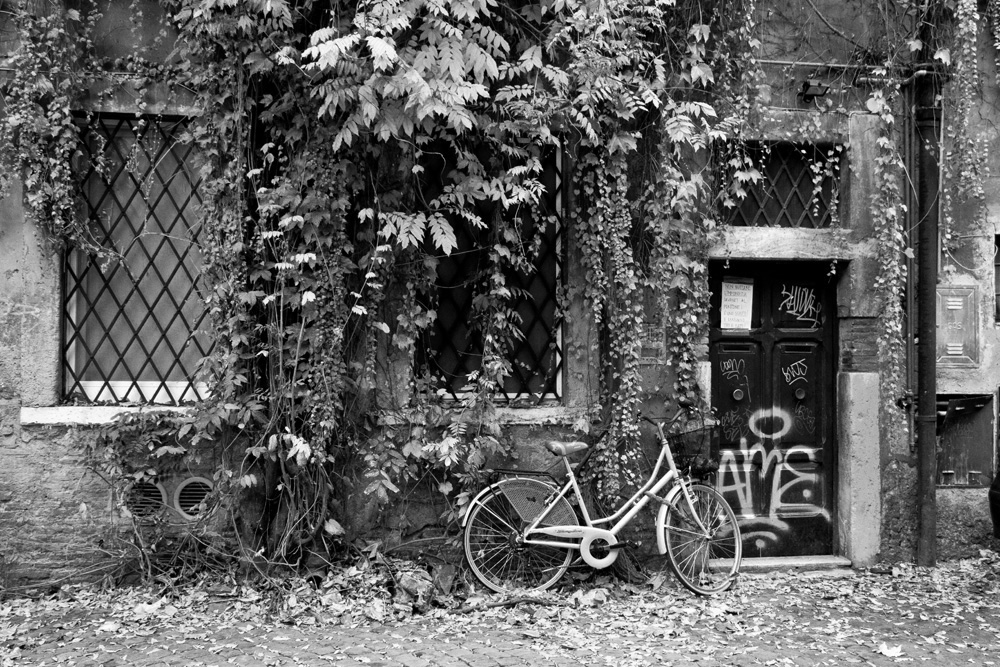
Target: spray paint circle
{"points": [[772, 414]]}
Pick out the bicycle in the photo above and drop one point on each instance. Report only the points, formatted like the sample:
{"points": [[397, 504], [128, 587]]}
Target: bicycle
{"points": [[522, 531]]}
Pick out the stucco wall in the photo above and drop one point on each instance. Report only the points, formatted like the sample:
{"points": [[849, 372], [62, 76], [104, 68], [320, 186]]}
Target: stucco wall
{"points": [[963, 523], [53, 514], [29, 315]]}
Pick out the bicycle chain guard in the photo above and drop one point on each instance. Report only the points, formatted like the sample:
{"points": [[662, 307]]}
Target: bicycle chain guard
{"points": [[587, 536]]}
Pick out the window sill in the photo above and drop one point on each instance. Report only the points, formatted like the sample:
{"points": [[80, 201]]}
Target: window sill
{"points": [[554, 415], [83, 415], [537, 416], [99, 415]]}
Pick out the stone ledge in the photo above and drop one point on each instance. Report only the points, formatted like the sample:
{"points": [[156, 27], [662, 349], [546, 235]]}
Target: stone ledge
{"points": [[552, 415], [97, 415], [544, 416], [83, 415], [794, 564]]}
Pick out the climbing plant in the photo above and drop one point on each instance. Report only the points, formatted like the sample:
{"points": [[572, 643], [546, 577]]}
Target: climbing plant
{"points": [[45, 76], [345, 149], [964, 169], [366, 142], [890, 234]]}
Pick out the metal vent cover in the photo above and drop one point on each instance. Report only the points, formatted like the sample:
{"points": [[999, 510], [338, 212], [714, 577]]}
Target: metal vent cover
{"points": [[189, 496], [145, 499]]}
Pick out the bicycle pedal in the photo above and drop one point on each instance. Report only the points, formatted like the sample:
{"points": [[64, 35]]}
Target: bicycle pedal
{"points": [[627, 544]]}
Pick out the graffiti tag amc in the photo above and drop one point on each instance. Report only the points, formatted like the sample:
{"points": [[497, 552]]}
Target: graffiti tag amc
{"points": [[792, 488]]}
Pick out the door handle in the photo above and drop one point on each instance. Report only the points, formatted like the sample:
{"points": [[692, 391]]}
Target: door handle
{"points": [[800, 393], [737, 394]]}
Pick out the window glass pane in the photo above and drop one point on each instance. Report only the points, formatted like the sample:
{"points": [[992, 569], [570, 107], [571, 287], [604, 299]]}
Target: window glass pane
{"points": [[129, 322], [798, 188]]}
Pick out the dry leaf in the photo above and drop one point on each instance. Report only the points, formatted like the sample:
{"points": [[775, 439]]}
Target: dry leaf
{"points": [[891, 652]]}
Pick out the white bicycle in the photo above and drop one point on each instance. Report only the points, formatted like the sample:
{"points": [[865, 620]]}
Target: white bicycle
{"points": [[522, 531]]}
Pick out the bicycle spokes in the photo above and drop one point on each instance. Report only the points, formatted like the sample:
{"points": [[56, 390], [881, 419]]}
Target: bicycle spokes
{"points": [[494, 538], [702, 540]]}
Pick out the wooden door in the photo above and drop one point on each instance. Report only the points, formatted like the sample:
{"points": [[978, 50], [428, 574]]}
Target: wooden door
{"points": [[772, 355]]}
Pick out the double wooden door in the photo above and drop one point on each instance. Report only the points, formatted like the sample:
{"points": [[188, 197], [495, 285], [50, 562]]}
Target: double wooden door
{"points": [[772, 355]]}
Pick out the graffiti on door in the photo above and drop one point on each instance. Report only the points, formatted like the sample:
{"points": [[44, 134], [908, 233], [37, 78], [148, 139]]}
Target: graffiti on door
{"points": [[772, 391], [765, 480], [796, 372], [767, 484], [801, 303], [735, 371]]}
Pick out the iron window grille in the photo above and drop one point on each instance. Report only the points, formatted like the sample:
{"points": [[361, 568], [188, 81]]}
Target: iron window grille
{"points": [[130, 324], [454, 349], [799, 188]]}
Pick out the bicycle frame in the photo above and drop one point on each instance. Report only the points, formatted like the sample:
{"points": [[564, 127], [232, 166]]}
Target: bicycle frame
{"points": [[607, 528], [520, 531]]}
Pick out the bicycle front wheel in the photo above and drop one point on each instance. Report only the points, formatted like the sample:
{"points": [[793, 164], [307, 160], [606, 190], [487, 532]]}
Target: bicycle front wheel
{"points": [[706, 557], [494, 544]]}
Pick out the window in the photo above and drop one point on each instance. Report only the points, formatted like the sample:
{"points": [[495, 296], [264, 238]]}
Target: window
{"points": [[965, 440], [129, 323], [799, 187], [454, 347]]}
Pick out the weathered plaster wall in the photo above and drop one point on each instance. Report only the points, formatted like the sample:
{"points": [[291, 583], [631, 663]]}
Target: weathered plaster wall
{"points": [[51, 511], [859, 505], [964, 526], [53, 514], [963, 523], [29, 315]]}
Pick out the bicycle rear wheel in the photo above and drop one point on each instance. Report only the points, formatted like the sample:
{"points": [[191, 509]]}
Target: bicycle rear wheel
{"points": [[494, 545], [706, 561]]}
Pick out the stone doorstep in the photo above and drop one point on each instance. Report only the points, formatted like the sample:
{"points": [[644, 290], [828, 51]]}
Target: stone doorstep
{"points": [[829, 564]]}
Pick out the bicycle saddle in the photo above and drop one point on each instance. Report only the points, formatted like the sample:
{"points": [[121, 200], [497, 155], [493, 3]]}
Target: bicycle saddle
{"points": [[566, 448]]}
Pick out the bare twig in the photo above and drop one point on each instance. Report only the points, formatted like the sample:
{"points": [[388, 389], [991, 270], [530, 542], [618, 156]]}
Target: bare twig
{"points": [[840, 33]]}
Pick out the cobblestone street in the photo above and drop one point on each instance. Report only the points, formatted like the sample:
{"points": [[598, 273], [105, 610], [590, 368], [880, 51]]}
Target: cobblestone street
{"points": [[946, 616]]}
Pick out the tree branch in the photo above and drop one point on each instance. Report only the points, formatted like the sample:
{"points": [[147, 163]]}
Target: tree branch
{"points": [[840, 33]]}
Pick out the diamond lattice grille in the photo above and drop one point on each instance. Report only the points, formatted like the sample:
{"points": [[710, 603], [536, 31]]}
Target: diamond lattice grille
{"points": [[455, 346], [130, 323], [798, 188]]}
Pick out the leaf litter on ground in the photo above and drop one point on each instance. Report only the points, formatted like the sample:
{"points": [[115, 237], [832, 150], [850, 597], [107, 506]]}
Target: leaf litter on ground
{"points": [[949, 611]]}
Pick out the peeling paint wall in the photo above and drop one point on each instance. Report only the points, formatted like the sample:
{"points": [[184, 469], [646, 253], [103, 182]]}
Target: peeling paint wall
{"points": [[963, 516], [53, 514]]}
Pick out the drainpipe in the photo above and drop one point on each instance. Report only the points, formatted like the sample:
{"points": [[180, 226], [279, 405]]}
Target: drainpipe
{"points": [[928, 127]]}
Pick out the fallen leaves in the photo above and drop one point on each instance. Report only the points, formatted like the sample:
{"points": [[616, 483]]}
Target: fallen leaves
{"points": [[889, 651], [879, 617]]}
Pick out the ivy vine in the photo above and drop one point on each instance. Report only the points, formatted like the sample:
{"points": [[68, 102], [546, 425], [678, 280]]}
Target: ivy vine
{"points": [[47, 72], [343, 149]]}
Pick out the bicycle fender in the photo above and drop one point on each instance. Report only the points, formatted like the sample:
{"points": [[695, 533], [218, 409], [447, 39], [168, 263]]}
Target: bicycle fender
{"points": [[661, 520], [478, 499]]}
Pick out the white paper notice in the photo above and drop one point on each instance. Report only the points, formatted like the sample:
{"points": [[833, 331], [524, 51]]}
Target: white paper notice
{"points": [[737, 305]]}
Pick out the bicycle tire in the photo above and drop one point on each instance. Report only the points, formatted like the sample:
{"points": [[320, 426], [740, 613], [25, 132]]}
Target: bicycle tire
{"points": [[494, 548], [705, 564]]}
